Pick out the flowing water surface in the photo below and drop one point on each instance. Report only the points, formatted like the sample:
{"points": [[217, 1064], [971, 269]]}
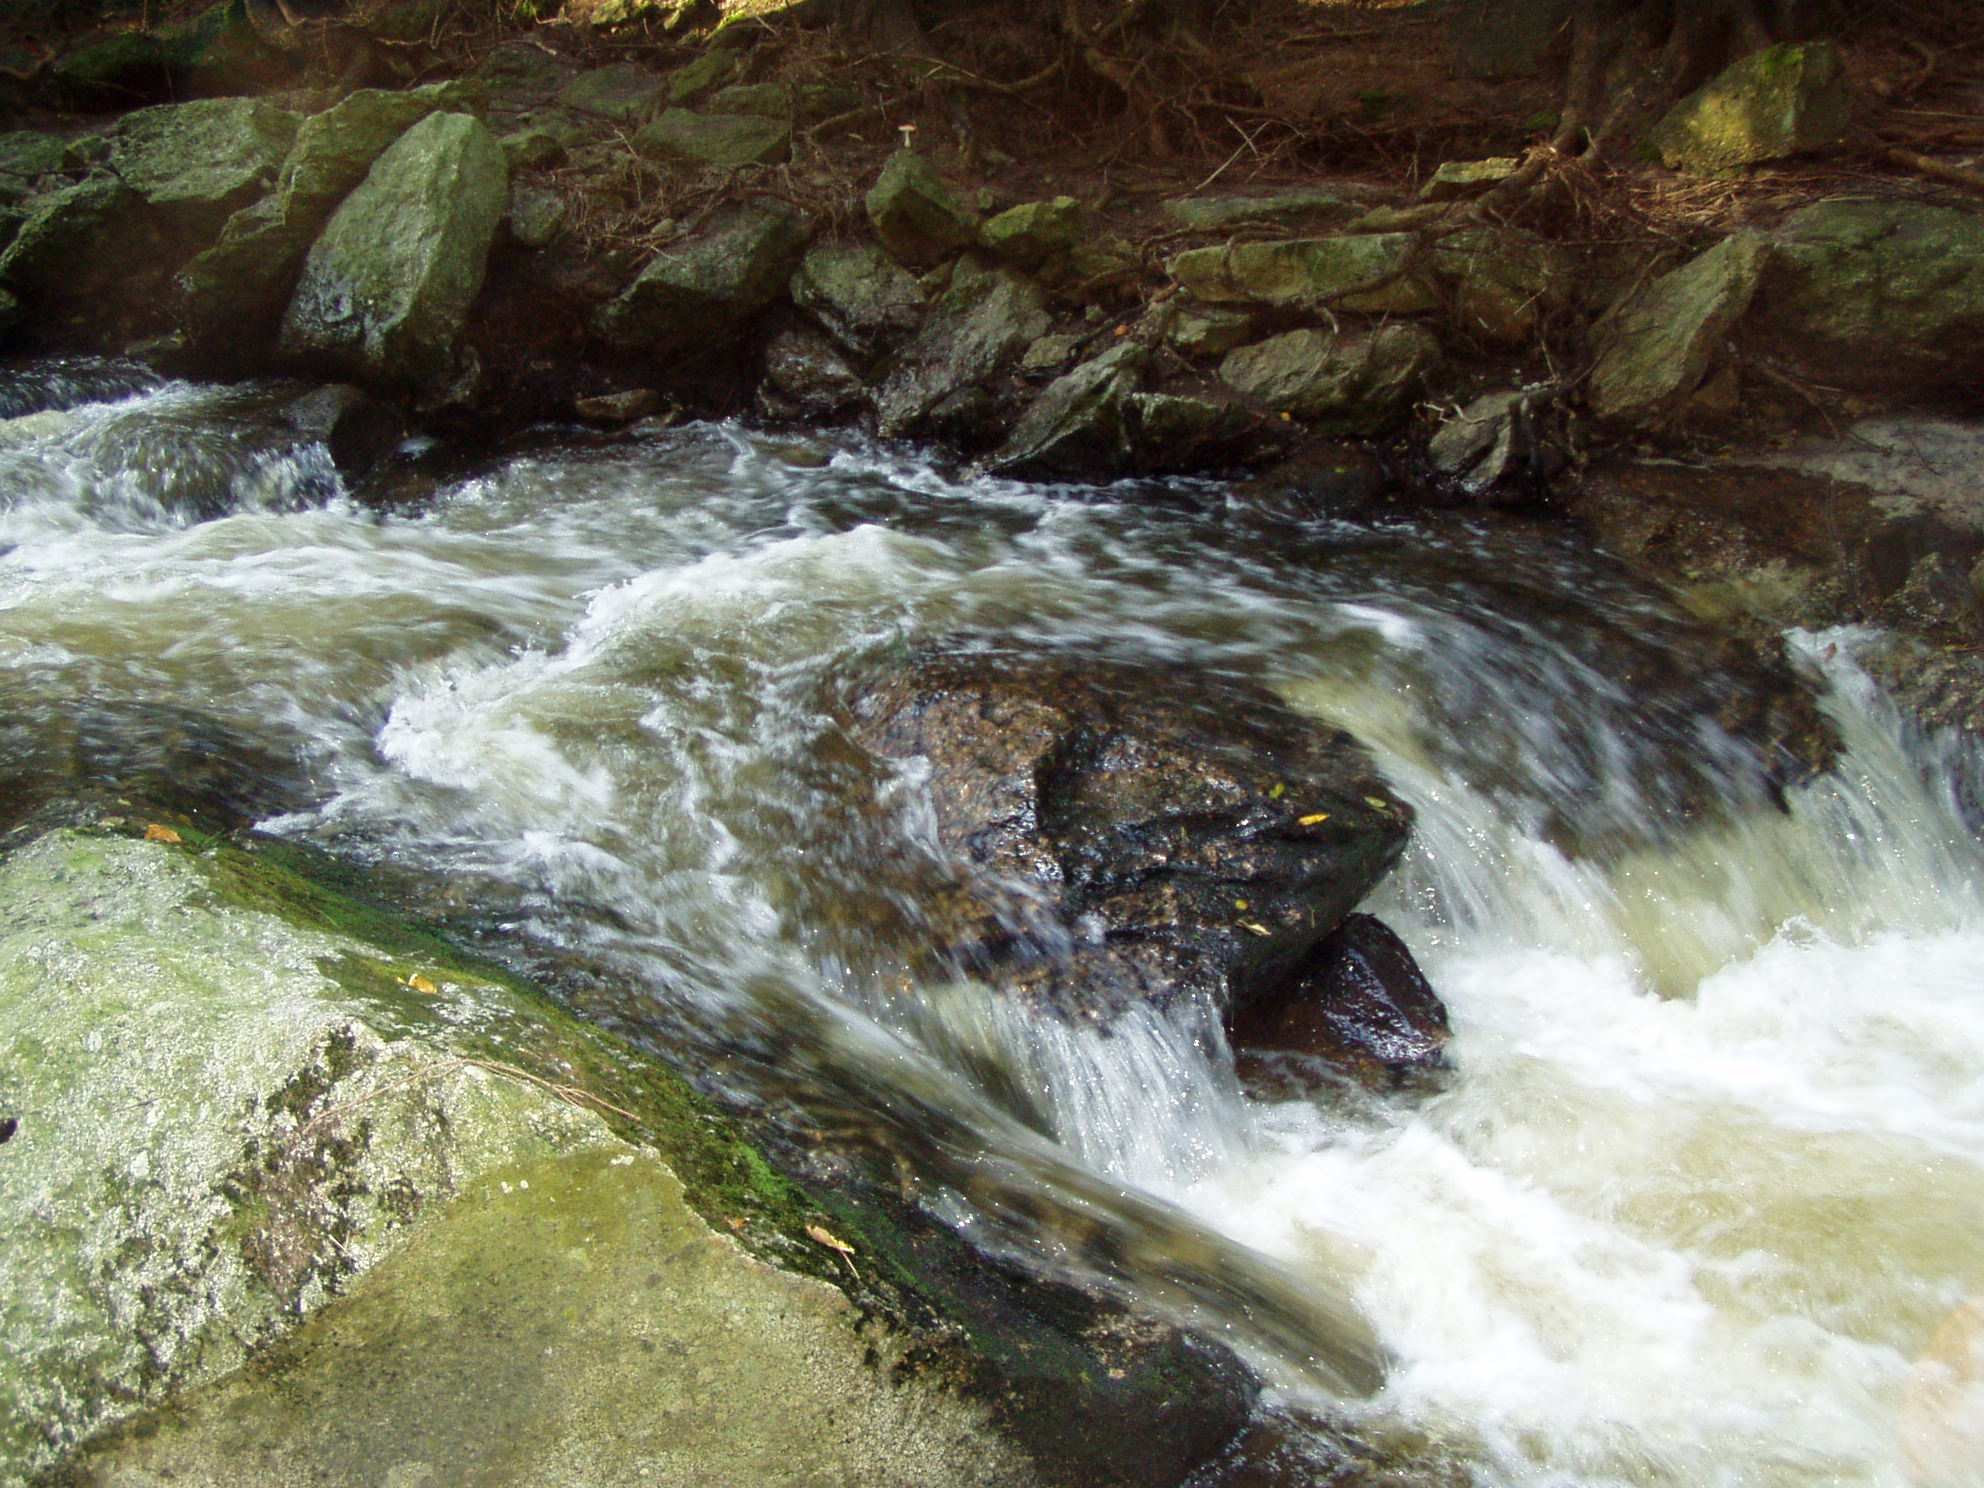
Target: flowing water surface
{"points": [[1703, 1199]]}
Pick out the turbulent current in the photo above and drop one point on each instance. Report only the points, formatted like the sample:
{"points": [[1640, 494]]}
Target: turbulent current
{"points": [[1702, 1200]]}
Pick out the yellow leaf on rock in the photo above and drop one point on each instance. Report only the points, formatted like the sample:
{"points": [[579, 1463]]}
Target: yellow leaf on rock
{"points": [[832, 1241], [1256, 928], [1277, 793], [420, 983], [1377, 803], [1314, 818], [155, 833]]}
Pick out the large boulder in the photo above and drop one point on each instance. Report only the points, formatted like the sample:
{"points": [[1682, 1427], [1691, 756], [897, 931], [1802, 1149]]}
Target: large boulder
{"points": [[197, 162], [700, 290], [1655, 349], [1375, 272], [918, 217], [1077, 425], [385, 291], [217, 52], [1356, 382], [248, 274], [91, 265], [1784, 100], [1122, 835], [952, 379], [1877, 293], [234, 1095]]}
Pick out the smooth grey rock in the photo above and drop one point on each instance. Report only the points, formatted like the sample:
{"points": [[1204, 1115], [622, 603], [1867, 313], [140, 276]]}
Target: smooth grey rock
{"points": [[385, 291]]}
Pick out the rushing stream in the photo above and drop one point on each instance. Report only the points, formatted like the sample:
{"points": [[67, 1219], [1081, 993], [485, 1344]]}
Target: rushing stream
{"points": [[1703, 1199]]}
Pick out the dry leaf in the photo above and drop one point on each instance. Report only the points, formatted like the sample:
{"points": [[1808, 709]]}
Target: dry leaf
{"points": [[1314, 819], [832, 1241], [1256, 928], [420, 983], [155, 833], [1377, 803]]}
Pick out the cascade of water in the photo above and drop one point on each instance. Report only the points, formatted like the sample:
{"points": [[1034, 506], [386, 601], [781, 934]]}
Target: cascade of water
{"points": [[1707, 1176]]}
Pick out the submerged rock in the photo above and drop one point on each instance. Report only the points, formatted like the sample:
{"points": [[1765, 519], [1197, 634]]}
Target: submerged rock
{"points": [[386, 290], [1784, 100], [1125, 835], [1359, 1002]]}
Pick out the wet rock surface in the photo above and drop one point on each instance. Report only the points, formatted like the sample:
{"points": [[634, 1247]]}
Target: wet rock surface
{"points": [[1121, 835], [1358, 1002]]}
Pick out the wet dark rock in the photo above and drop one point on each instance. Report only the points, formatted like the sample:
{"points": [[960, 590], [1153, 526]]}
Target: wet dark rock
{"points": [[1077, 426], [1358, 1002], [64, 382], [952, 379], [92, 260], [1330, 478], [1123, 834], [860, 296], [806, 376], [617, 408], [1497, 448], [358, 429]]}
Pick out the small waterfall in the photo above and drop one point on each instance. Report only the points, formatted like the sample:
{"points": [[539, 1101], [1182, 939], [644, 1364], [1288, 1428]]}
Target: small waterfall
{"points": [[1699, 1201]]}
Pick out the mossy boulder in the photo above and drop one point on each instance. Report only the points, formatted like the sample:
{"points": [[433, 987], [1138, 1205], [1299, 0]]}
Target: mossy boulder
{"points": [[1209, 330], [1785, 100], [1374, 272], [386, 289], [1655, 349], [260, 1123], [1355, 382], [216, 52], [1034, 232], [246, 277], [916, 215], [623, 93], [724, 141], [92, 265], [714, 68], [1505, 283], [859, 295], [1878, 294], [953, 378], [197, 162], [697, 292], [29, 160], [1285, 210]]}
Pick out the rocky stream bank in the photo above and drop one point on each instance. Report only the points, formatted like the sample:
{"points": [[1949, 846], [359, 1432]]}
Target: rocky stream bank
{"points": [[386, 1205]]}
